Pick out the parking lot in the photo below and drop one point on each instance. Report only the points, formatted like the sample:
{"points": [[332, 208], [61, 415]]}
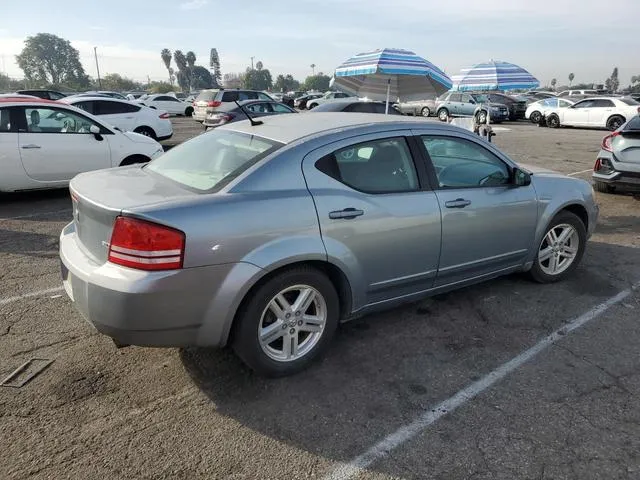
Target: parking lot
{"points": [[424, 391]]}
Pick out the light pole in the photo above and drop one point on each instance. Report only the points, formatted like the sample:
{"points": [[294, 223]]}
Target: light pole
{"points": [[252, 62], [95, 53]]}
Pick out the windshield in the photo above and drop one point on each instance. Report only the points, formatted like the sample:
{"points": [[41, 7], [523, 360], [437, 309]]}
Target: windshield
{"points": [[211, 160]]}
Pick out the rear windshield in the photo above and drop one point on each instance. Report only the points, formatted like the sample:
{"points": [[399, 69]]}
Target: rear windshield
{"points": [[211, 160], [633, 124], [206, 96], [629, 101]]}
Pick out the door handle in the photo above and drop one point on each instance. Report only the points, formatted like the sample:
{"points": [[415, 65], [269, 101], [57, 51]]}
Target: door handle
{"points": [[457, 203], [347, 213], [31, 145]]}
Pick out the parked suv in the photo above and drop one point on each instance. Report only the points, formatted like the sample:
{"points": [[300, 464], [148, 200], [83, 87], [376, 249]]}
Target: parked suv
{"points": [[461, 104], [327, 97], [208, 100]]}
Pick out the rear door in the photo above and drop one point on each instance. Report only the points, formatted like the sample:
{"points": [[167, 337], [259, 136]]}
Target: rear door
{"points": [[9, 152], [119, 114], [454, 104], [488, 225], [55, 144], [379, 219], [600, 111], [172, 105]]}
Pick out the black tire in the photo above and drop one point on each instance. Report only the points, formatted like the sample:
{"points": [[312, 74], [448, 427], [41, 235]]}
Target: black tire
{"points": [[443, 114], [188, 112], [134, 159], [245, 340], [553, 121], [615, 122], [535, 116], [564, 217], [425, 112], [603, 187], [147, 132], [481, 117]]}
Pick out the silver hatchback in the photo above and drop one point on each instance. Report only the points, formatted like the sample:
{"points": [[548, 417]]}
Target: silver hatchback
{"points": [[266, 237]]}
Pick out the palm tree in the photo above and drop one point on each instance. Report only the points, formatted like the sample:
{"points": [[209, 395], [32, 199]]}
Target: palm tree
{"points": [[553, 83], [191, 62], [313, 69], [571, 77], [165, 54]]}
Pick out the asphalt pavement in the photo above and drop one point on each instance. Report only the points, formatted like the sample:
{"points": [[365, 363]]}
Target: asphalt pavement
{"points": [[504, 380]]}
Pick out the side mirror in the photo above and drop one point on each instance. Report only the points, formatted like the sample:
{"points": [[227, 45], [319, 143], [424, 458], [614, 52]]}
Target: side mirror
{"points": [[521, 178], [96, 132]]}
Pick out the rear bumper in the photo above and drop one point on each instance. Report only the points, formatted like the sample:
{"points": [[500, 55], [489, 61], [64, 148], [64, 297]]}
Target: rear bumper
{"points": [[619, 178], [178, 308], [165, 137]]}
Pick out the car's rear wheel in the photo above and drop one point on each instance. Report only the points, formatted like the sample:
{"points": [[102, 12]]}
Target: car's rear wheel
{"points": [[146, 131], [425, 112], [535, 117], [553, 121], [481, 117], [561, 248], [287, 322], [603, 187], [615, 122], [443, 114]]}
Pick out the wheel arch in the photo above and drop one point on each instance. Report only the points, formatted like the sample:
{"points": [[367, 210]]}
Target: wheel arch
{"points": [[624, 119], [135, 158]]}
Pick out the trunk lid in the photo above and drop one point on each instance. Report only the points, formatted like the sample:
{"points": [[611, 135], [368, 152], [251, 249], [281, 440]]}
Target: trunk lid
{"points": [[626, 146], [99, 197]]}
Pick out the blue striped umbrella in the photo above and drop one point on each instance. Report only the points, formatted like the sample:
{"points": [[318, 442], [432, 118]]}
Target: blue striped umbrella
{"points": [[391, 72], [494, 75]]}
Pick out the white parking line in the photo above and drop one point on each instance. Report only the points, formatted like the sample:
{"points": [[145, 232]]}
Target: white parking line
{"points": [[580, 172], [407, 432], [36, 214], [38, 293]]}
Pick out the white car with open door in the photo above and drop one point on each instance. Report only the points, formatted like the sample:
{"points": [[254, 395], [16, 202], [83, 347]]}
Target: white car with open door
{"points": [[168, 103], [44, 144], [603, 112], [126, 116]]}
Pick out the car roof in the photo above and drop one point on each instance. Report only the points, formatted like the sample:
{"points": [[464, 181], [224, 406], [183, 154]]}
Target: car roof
{"points": [[289, 128], [86, 98], [19, 100]]}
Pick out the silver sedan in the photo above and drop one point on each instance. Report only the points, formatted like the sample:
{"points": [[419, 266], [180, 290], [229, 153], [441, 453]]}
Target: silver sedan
{"points": [[424, 108], [267, 236]]}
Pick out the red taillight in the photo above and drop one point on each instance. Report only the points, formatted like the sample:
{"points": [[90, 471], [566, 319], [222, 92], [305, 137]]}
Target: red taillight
{"points": [[606, 141], [145, 245], [598, 165], [227, 117], [164, 115], [214, 103]]}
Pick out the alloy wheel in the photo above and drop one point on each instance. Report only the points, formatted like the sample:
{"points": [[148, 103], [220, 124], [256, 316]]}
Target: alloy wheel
{"points": [[558, 249], [292, 323]]}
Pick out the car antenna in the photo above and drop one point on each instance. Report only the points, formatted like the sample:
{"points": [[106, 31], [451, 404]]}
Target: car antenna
{"points": [[254, 123]]}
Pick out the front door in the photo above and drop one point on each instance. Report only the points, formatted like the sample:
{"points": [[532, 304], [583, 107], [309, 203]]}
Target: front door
{"points": [[379, 222], [578, 114], [488, 225], [55, 144]]}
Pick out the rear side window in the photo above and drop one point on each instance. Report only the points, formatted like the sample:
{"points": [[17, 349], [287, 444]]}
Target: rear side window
{"points": [[210, 161], [5, 120], [114, 108], [359, 108], [629, 101], [602, 103], [455, 97], [634, 124], [230, 96], [86, 106], [378, 166]]}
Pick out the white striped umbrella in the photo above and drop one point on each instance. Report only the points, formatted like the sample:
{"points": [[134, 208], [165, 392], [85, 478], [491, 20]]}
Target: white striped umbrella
{"points": [[391, 72], [494, 75]]}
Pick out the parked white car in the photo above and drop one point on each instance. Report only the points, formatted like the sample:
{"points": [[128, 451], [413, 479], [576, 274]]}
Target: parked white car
{"points": [[126, 116], [536, 110], [44, 144], [168, 103], [327, 97], [607, 112]]}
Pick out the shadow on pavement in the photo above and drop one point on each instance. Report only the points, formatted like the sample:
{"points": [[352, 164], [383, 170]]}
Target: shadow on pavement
{"points": [[383, 370]]}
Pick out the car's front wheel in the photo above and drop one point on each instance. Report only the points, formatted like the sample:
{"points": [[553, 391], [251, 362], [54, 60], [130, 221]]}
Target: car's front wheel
{"points": [[287, 322], [443, 114], [561, 248], [535, 117], [481, 117]]}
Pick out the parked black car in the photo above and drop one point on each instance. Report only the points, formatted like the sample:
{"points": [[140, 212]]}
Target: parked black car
{"points": [[232, 112], [517, 107], [41, 93], [356, 105]]}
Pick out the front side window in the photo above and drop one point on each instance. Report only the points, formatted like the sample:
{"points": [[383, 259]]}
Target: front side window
{"points": [[210, 161], [5, 120], [461, 163], [583, 104], [261, 107], [378, 166], [49, 120], [563, 103], [279, 108]]}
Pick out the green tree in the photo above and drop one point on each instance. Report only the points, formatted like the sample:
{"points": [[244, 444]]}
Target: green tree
{"points": [[612, 83], [7, 84], [258, 78], [318, 82], [160, 87], [553, 83], [571, 77], [182, 75], [214, 63], [47, 59], [114, 81], [201, 78], [233, 80], [191, 62], [286, 83], [165, 54]]}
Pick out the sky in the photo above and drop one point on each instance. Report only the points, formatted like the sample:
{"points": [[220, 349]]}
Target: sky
{"points": [[550, 38]]}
